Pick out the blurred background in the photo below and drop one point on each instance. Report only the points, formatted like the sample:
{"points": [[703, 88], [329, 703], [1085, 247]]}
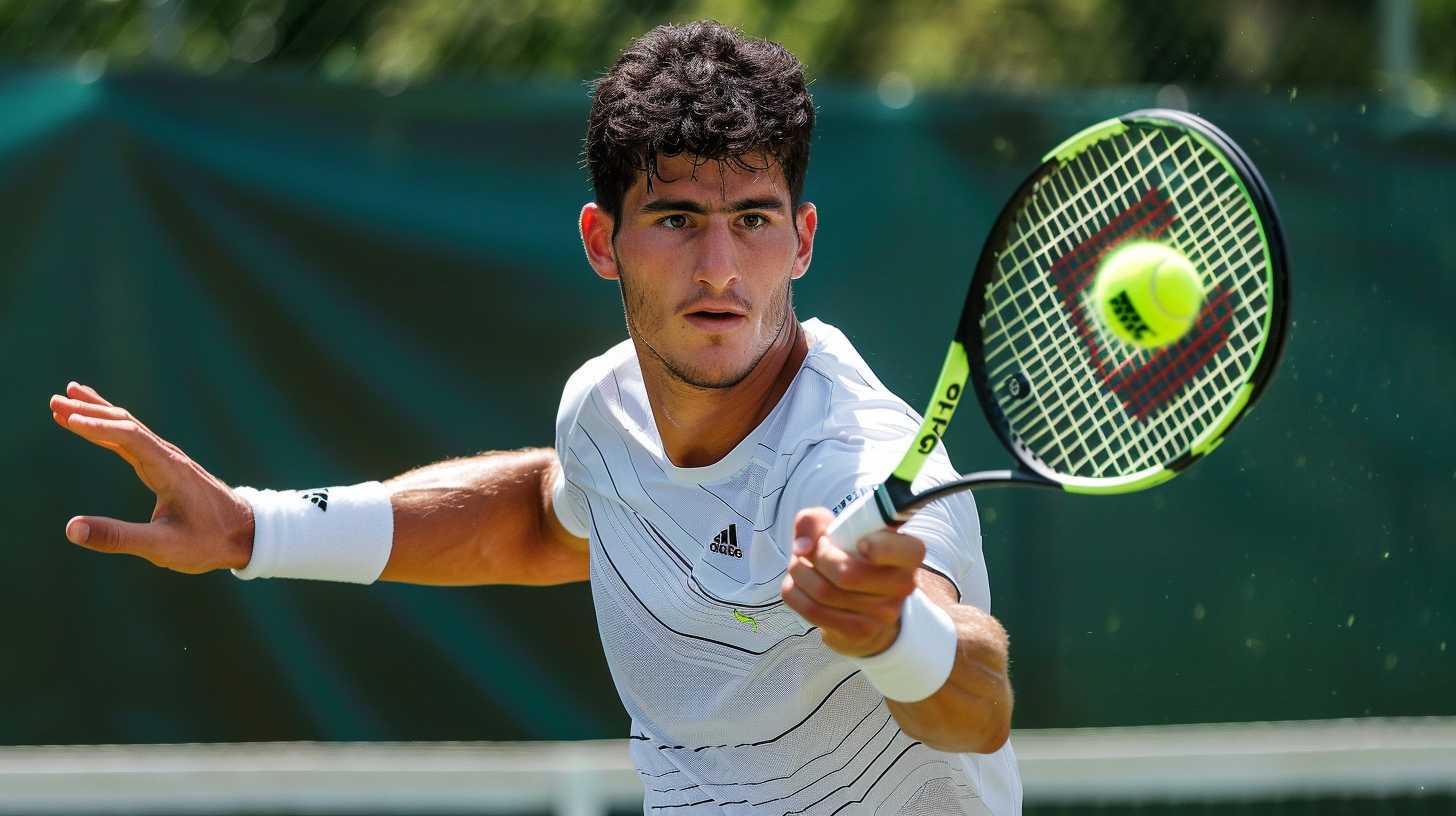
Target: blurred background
{"points": [[322, 241]]}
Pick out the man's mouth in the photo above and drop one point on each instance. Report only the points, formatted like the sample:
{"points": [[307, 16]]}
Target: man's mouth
{"points": [[715, 314], [717, 320]]}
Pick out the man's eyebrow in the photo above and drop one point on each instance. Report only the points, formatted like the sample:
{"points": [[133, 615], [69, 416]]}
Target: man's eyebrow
{"points": [[673, 205], [760, 203], [690, 206]]}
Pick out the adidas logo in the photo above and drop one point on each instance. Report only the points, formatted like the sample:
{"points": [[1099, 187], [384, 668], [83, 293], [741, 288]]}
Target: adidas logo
{"points": [[726, 542], [320, 498]]}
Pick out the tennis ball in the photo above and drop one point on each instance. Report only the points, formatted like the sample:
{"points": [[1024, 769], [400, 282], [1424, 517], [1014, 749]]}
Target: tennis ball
{"points": [[1147, 294]]}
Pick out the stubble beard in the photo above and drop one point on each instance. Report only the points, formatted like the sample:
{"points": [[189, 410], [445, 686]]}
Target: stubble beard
{"points": [[636, 305]]}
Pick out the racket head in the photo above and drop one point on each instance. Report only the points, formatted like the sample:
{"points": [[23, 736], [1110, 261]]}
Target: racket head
{"points": [[1076, 407]]}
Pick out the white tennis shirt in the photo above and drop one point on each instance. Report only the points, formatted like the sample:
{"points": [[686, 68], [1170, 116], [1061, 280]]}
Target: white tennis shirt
{"points": [[737, 706]]}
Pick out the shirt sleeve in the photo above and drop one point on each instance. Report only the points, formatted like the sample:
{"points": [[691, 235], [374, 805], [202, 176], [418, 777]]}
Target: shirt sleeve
{"points": [[569, 502], [568, 498], [951, 530]]}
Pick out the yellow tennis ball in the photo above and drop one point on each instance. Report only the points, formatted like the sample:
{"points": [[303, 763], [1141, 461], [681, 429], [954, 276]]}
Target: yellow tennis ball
{"points": [[1147, 294]]}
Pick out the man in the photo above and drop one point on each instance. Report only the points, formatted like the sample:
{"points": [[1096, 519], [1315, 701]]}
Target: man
{"points": [[765, 670]]}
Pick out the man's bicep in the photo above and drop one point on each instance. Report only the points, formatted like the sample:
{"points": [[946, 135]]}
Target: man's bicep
{"points": [[480, 520]]}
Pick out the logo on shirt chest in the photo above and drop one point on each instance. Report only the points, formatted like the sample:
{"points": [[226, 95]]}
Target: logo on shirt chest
{"points": [[726, 543]]}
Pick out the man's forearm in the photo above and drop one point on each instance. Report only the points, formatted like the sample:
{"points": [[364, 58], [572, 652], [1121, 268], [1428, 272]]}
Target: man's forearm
{"points": [[485, 519], [972, 711]]}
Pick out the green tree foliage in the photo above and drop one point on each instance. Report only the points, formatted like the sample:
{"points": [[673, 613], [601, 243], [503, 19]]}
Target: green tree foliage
{"points": [[1017, 44]]}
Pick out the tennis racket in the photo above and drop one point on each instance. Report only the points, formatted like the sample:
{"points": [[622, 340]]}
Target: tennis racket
{"points": [[1078, 409]]}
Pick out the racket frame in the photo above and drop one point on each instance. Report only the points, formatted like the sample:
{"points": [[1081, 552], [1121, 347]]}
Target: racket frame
{"points": [[897, 501]]}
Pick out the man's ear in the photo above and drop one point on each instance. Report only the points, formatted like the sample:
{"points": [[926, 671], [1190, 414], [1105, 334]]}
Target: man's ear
{"points": [[596, 238], [806, 218]]}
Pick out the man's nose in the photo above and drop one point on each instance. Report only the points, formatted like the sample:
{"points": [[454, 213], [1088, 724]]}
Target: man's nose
{"points": [[717, 256]]}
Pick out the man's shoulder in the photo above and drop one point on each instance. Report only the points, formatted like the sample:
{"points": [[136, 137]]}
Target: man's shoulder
{"points": [[853, 400], [849, 421], [615, 362]]}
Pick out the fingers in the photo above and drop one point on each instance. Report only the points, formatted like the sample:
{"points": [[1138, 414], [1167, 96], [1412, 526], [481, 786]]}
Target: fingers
{"points": [[854, 598], [63, 407], [810, 525], [853, 574], [884, 607], [147, 454], [852, 633], [888, 548], [109, 535], [83, 399], [84, 392], [883, 547]]}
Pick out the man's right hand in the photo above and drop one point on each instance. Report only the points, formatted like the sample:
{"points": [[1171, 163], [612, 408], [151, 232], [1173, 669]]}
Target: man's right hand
{"points": [[199, 523]]}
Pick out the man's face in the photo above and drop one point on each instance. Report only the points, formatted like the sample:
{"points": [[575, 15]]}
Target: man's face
{"points": [[705, 259]]}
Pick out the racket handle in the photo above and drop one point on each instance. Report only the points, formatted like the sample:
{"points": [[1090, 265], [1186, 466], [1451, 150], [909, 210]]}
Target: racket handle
{"points": [[862, 517]]}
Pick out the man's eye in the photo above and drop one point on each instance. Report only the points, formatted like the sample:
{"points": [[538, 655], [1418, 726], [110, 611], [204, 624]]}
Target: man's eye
{"points": [[674, 221], [754, 221]]}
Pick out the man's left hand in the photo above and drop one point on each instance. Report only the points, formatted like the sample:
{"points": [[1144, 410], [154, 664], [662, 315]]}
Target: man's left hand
{"points": [[853, 597]]}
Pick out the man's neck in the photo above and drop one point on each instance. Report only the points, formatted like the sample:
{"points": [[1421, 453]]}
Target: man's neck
{"points": [[699, 426]]}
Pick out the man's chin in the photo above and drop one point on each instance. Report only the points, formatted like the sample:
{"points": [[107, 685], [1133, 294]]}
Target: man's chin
{"points": [[712, 377], [714, 367]]}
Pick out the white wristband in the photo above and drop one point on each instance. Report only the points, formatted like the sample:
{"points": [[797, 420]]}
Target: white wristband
{"points": [[328, 534], [918, 663]]}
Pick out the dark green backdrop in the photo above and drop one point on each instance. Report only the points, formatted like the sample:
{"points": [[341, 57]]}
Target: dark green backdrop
{"points": [[304, 284]]}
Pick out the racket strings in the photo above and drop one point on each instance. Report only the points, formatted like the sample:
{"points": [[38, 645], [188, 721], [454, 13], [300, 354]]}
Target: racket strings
{"points": [[1195, 239], [1231, 243], [1081, 419], [1044, 315], [1066, 380], [1108, 433], [1151, 214], [1094, 350]]}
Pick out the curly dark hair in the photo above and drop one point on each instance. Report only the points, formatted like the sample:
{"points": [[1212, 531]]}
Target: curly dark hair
{"points": [[702, 90]]}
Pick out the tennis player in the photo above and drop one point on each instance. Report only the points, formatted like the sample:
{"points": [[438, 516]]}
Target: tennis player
{"points": [[697, 466]]}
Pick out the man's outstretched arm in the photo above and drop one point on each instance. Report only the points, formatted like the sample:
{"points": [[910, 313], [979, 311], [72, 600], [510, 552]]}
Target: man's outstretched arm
{"points": [[485, 519]]}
